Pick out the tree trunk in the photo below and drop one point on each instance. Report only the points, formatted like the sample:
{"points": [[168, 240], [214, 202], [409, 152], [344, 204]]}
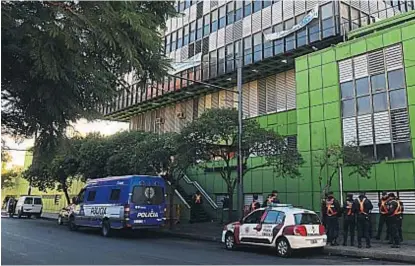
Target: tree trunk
{"points": [[230, 209], [65, 191]]}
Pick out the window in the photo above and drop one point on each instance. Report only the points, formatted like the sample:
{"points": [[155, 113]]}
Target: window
{"points": [[247, 8], [267, 3], [346, 89], [221, 56], [327, 20], [403, 150], [247, 51], [28, 200], [238, 10], [199, 31], [362, 86], [348, 108], [214, 20], [363, 105], [306, 218], [115, 194], [91, 195], [222, 17], [257, 5], [271, 218], [173, 41], [229, 58], [398, 99], [179, 38], [147, 195], [258, 47], [383, 151], [327, 11], [206, 25], [368, 150], [290, 39], [192, 32], [230, 17], [301, 33], [37, 201], [396, 79], [81, 195], [278, 44], [254, 218], [378, 82], [268, 45], [168, 46], [380, 103], [213, 63], [355, 18], [186, 35], [344, 12], [314, 31]]}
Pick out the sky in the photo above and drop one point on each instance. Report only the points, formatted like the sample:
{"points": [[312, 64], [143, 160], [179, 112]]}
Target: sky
{"points": [[82, 126]]}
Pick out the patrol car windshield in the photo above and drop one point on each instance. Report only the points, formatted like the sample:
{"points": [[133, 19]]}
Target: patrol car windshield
{"points": [[148, 195], [306, 218]]}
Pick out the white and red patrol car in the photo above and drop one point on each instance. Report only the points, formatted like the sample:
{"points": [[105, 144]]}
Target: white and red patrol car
{"points": [[279, 226]]}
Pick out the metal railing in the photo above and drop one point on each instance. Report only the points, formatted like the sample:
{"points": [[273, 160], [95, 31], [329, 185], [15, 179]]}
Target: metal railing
{"points": [[180, 196]]}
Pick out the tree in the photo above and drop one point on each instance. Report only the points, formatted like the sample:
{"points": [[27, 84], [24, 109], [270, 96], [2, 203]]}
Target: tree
{"points": [[61, 60], [334, 157], [214, 135]]}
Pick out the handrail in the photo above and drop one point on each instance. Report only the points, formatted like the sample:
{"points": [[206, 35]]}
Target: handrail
{"points": [[180, 196], [200, 188]]}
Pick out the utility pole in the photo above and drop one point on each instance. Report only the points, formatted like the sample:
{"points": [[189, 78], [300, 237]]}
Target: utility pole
{"points": [[240, 186]]}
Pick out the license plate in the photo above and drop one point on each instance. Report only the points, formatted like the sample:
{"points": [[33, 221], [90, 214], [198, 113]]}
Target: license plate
{"points": [[314, 241]]}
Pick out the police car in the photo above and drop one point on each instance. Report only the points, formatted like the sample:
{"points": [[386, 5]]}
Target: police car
{"points": [[279, 226]]}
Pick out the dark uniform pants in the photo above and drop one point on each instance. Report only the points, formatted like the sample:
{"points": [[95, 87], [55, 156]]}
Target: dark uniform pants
{"points": [[349, 226], [394, 225], [382, 221], [363, 227], [332, 223]]}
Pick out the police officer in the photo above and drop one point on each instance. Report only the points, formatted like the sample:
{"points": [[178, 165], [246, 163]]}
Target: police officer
{"points": [[275, 197], [196, 205], [349, 221], [383, 209], [400, 221], [255, 204], [322, 210], [362, 207], [332, 211], [395, 211]]}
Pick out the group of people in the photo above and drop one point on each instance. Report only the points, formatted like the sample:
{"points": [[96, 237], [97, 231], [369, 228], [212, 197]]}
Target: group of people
{"points": [[356, 212], [272, 198]]}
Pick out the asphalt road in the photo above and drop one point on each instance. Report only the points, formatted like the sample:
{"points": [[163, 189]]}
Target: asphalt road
{"points": [[31, 241]]}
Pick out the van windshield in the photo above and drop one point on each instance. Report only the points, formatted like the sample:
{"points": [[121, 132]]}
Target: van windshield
{"points": [[148, 195]]}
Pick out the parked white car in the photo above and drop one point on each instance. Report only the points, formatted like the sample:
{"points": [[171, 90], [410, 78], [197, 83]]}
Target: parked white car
{"points": [[28, 206], [278, 226]]}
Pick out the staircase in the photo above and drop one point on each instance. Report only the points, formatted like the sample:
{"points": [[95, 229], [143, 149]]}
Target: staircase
{"points": [[198, 214]]}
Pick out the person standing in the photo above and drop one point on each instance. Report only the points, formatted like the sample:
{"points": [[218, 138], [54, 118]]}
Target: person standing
{"points": [[332, 211], [255, 204], [197, 202], [383, 209], [400, 221], [274, 197], [362, 206], [349, 221], [394, 215]]}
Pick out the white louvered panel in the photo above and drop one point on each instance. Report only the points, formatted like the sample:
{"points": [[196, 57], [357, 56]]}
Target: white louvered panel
{"points": [[349, 130], [355, 3], [179, 22], [237, 31], [206, 7], [288, 7], [208, 101], [256, 22], [271, 94], [408, 201], [213, 4], [345, 70], [222, 99], [311, 4], [193, 12], [374, 198], [184, 53], [221, 38], [189, 111], [178, 54], [322, 2], [365, 129], [249, 198], [168, 26], [266, 17], [229, 99], [400, 125], [262, 100], [373, 5], [186, 16], [364, 6], [173, 24], [290, 85], [281, 92], [277, 13], [376, 62], [177, 121], [147, 119], [299, 7], [172, 118], [229, 34], [382, 128], [201, 106], [219, 200], [382, 9], [215, 100], [360, 66], [212, 41], [393, 56], [253, 99], [245, 100], [247, 27]]}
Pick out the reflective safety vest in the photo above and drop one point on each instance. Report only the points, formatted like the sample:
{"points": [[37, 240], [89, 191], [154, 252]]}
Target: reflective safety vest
{"points": [[383, 208], [253, 205], [349, 208], [362, 206], [271, 199], [197, 199], [329, 205], [398, 209]]}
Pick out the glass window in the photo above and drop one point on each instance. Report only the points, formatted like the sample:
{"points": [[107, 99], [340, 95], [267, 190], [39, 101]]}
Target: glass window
{"points": [[192, 31], [327, 11], [396, 79], [214, 23], [363, 105], [115, 194], [254, 217], [306, 218], [173, 41], [257, 5], [179, 38], [258, 47], [221, 55], [28, 200], [378, 82], [278, 44], [247, 50], [267, 45], [186, 35], [147, 195], [199, 32], [398, 99], [271, 217], [231, 13], [229, 57], [222, 17], [402, 150], [384, 152], [314, 31], [368, 151], [355, 18], [348, 108], [206, 25], [238, 10], [362, 86], [91, 195], [380, 102], [347, 90], [37, 201], [328, 27], [247, 8], [267, 3]]}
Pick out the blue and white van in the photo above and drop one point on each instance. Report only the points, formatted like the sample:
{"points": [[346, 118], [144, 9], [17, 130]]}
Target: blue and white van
{"points": [[122, 202]]}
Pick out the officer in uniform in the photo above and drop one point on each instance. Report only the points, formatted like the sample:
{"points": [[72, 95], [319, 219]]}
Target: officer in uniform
{"points": [[395, 211], [400, 221], [255, 204], [383, 209], [362, 207], [197, 202], [272, 198], [332, 211], [323, 207], [349, 221]]}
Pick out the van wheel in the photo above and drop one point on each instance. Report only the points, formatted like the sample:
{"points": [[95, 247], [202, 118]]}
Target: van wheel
{"points": [[19, 213], [106, 228], [283, 248], [72, 225]]}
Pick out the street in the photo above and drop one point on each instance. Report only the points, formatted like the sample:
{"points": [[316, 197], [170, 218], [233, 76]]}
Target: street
{"points": [[31, 241]]}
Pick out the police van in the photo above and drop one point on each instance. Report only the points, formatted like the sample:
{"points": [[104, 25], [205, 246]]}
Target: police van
{"points": [[123, 202]]}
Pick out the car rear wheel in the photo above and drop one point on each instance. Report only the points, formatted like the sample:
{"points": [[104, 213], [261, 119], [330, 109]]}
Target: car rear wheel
{"points": [[106, 228], [283, 248], [230, 241]]}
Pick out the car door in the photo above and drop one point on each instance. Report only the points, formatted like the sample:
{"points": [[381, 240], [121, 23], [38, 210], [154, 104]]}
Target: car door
{"points": [[248, 233], [28, 205], [270, 226], [37, 205]]}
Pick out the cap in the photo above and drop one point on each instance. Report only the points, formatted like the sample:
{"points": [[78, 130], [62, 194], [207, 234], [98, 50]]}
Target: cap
{"points": [[392, 195], [384, 193]]}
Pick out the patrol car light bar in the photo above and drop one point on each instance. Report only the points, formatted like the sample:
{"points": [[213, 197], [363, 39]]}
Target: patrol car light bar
{"points": [[279, 205]]}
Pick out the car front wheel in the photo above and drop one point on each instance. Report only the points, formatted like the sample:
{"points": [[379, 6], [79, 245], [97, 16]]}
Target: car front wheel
{"points": [[60, 222], [283, 248], [230, 241]]}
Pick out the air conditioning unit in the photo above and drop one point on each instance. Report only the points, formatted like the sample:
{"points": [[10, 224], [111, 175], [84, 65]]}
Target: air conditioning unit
{"points": [[181, 115], [159, 120]]}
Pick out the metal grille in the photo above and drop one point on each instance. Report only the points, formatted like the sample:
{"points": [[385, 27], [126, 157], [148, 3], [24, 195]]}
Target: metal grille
{"points": [[360, 66], [262, 100], [247, 29], [208, 101], [256, 22], [382, 128], [393, 57], [213, 4], [299, 7], [374, 198], [281, 95], [364, 6], [277, 13], [221, 38], [229, 99], [184, 53], [376, 62], [191, 50], [345, 70], [373, 7], [349, 130], [290, 85], [215, 100], [199, 10], [253, 99], [222, 99], [193, 12], [198, 47], [271, 94], [201, 106], [311, 4], [212, 41], [355, 3], [288, 7], [237, 32], [205, 45], [229, 34], [364, 123], [400, 125], [266, 17], [245, 102], [408, 201]]}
